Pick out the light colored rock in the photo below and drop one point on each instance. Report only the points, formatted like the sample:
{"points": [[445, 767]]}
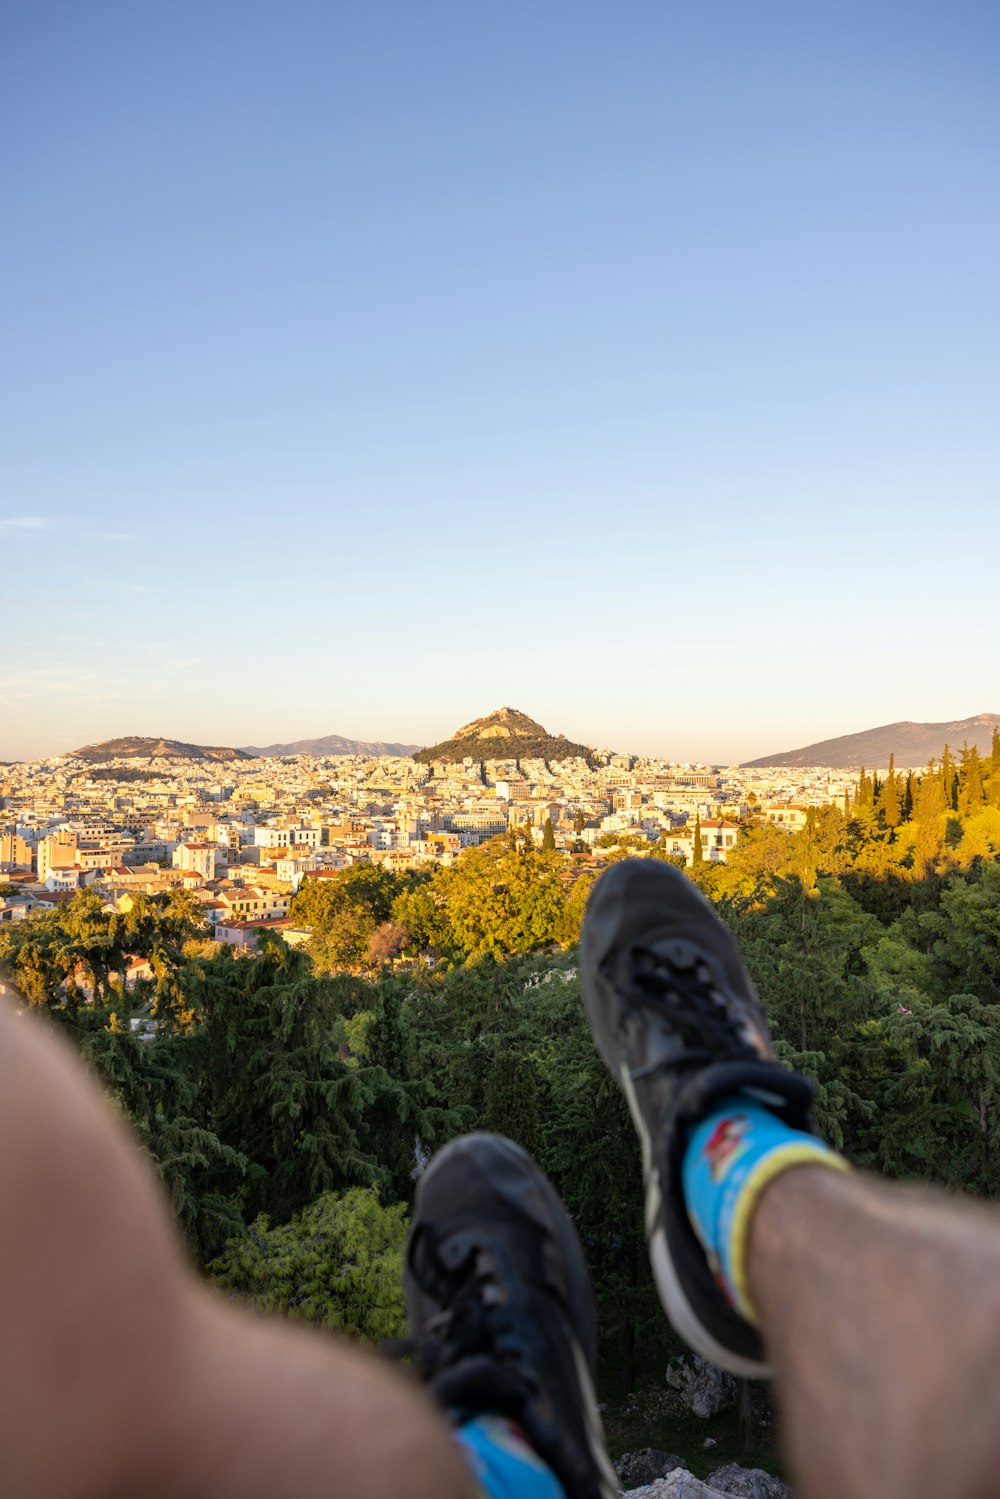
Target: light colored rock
{"points": [[749, 1483], [680, 1484], [704, 1389]]}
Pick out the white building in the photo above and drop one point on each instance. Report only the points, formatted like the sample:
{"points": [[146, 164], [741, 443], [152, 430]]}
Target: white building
{"points": [[718, 838], [199, 857], [265, 835]]}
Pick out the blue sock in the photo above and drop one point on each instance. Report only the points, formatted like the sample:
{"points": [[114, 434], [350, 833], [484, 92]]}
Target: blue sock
{"points": [[731, 1157], [502, 1463]]}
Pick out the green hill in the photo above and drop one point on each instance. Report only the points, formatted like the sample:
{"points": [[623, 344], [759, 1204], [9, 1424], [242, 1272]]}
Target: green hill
{"points": [[506, 734]]}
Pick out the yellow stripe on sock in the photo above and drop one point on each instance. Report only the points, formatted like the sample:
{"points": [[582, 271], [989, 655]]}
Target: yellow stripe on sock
{"points": [[804, 1152]]}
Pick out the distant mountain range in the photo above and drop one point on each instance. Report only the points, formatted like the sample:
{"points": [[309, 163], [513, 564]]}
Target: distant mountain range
{"points": [[506, 734], [132, 747], [913, 745], [332, 744], [509, 734]]}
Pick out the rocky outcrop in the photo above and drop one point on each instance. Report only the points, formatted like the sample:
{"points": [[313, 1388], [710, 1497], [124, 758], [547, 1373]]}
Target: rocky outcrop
{"points": [[680, 1484], [748, 1483], [730, 1482], [636, 1469], [704, 1389]]}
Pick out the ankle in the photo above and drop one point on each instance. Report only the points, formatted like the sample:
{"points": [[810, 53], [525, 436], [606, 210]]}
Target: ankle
{"points": [[732, 1157], [502, 1461]]}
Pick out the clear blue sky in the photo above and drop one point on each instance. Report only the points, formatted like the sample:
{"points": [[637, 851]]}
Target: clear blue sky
{"points": [[367, 366]]}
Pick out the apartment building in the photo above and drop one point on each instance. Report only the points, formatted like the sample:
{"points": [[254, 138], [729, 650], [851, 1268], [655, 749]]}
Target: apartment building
{"points": [[288, 835], [197, 857], [15, 852], [250, 902], [476, 824], [56, 851], [513, 791]]}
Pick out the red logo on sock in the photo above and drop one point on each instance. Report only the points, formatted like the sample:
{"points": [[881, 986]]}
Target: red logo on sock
{"points": [[726, 1144]]}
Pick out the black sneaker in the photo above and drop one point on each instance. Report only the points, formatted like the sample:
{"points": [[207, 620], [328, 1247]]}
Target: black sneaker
{"points": [[676, 1018], [500, 1308]]}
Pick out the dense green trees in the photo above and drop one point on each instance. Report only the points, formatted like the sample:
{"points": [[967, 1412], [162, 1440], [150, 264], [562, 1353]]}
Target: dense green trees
{"points": [[344, 912], [897, 1019], [246, 1094], [502, 897], [86, 944], [273, 1080], [337, 1264], [505, 896]]}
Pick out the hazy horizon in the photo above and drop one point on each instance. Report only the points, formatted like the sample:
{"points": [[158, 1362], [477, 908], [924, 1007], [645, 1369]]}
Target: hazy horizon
{"points": [[371, 367], [618, 744]]}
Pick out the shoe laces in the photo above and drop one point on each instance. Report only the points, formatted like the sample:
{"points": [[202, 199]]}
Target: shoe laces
{"points": [[477, 1326], [676, 988]]}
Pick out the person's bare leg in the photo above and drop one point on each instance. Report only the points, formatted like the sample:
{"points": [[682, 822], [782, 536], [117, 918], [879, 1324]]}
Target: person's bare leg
{"points": [[880, 1306], [120, 1374], [268, 1409]]}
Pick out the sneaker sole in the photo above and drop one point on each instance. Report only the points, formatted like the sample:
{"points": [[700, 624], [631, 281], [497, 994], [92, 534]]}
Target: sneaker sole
{"points": [[671, 1292]]}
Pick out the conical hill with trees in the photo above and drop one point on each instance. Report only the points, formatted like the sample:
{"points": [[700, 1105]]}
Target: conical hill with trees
{"points": [[506, 734]]}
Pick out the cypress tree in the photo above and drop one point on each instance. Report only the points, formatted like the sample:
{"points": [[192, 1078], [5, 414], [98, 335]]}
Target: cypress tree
{"points": [[890, 797], [548, 836], [971, 795], [992, 769], [929, 806], [699, 857], [949, 778]]}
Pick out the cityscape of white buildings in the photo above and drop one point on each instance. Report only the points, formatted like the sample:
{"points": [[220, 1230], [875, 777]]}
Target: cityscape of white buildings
{"points": [[241, 835]]}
